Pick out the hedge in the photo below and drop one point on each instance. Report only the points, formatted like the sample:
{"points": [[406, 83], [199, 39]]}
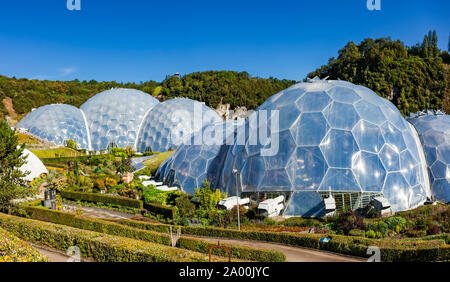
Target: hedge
{"points": [[106, 199], [111, 228], [100, 247], [12, 249], [167, 212], [391, 249]]}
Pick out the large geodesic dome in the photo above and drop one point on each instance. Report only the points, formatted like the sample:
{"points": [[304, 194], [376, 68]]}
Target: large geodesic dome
{"points": [[200, 157], [114, 116], [57, 123], [434, 131], [330, 137], [170, 122]]}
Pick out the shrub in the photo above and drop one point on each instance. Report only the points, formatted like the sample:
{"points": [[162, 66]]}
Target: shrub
{"points": [[12, 249], [106, 199], [158, 209], [433, 230], [185, 207], [111, 228], [396, 223], [302, 222], [101, 247], [347, 221], [152, 195], [209, 197], [391, 250], [270, 221]]}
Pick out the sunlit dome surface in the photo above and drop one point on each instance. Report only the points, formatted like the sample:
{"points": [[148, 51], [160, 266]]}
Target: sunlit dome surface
{"points": [[172, 121], [33, 165], [114, 116], [200, 158], [434, 132], [334, 136], [57, 123]]}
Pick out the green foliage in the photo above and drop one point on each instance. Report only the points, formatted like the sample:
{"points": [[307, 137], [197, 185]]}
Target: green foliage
{"points": [[209, 197], [396, 223], [106, 199], [347, 221], [270, 221], [72, 144], [152, 195], [99, 246], [302, 222], [212, 87], [391, 250], [12, 249], [160, 210], [412, 78], [111, 228], [185, 207], [12, 184]]}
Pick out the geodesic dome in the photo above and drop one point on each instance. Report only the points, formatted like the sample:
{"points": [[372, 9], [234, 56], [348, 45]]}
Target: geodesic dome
{"points": [[200, 157], [57, 123], [114, 116], [331, 137], [434, 131], [33, 165], [170, 122]]}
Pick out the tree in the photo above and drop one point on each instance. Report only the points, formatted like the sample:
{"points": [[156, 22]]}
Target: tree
{"points": [[12, 183], [72, 144]]}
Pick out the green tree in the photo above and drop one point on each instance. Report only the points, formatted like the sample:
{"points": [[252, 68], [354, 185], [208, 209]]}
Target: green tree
{"points": [[72, 144], [12, 183], [209, 197]]}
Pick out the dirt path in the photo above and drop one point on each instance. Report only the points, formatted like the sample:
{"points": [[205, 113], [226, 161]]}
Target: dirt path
{"points": [[54, 255], [98, 212], [7, 102], [293, 254]]}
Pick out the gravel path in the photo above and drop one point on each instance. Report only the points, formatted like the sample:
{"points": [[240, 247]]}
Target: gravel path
{"points": [[98, 212], [293, 254]]}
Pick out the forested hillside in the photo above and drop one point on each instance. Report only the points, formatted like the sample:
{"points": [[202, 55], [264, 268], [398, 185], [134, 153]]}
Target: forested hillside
{"points": [[413, 78], [212, 87]]}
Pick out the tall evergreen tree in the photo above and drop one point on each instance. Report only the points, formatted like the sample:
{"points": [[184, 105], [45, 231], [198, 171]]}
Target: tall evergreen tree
{"points": [[12, 183]]}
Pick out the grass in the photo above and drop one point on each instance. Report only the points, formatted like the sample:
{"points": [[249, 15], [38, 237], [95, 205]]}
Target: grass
{"points": [[153, 163], [56, 153]]}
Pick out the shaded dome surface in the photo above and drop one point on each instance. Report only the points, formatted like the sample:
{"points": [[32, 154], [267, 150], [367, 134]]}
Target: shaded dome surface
{"points": [[434, 131], [33, 165], [170, 122], [332, 136], [57, 123], [114, 116], [200, 158]]}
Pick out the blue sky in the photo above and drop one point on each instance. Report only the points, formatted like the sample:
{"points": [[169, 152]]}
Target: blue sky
{"points": [[143, 40]]}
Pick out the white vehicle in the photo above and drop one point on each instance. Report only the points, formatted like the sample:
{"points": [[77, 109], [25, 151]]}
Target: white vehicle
{"points": [[271, 207], [230, 202]]}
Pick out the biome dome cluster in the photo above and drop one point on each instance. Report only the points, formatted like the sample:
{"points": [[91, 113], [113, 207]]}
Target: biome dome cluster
{"points": [[116, 118]]}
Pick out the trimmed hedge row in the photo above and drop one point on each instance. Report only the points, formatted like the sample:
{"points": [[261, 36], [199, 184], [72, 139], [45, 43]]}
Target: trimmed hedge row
{"points": [[12, 249], [111, 228], [154, 208], [106, 199], [100, 247], [391, 250]]}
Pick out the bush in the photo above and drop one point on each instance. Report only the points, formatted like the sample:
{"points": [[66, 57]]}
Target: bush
{"points": [[111, 228], [185, 207], [100, 247], [158, 209], [391, 250], [347, 221], [209, 197], [12, 249], [433, 230], [106, 199], [270, 221], [302, 222], [396, 223]]}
